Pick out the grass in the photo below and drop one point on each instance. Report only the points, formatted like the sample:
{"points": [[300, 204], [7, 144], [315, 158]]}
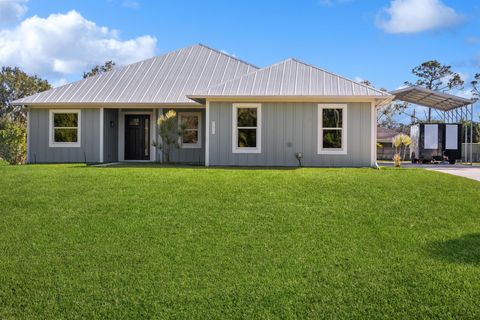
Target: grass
{"points": [[139, 242]]}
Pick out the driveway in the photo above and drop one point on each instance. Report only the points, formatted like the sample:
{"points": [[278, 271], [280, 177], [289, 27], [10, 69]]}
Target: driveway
{"points": [[465, 171], [462, 171]]}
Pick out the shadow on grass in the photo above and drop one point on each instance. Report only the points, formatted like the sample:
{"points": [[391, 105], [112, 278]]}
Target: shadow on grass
{"points": [[463, 250], [123, 165]]}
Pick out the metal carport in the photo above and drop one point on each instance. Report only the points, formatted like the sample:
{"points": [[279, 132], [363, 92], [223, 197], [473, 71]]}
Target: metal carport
{"points": [[450, 107]]}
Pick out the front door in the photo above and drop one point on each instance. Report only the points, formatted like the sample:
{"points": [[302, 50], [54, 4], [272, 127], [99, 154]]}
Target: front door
{"points": [[137, 137]]}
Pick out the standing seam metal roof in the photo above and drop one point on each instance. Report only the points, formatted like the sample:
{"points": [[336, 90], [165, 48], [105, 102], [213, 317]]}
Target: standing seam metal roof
{"points": [[291, 78], [163, 79], [196, 72]]}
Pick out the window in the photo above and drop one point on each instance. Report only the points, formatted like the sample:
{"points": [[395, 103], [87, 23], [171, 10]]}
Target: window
{"points": [[246, 136], [191, 122], [332, 127], [64, 128]]}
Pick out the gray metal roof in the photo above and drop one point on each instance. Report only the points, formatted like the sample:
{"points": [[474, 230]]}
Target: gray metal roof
{"points": [[430, 98], [164, 79], [290, 78]]}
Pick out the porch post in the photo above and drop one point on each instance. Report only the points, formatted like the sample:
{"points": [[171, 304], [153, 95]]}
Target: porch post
{"points": [[28, 135], [373, 135], [207, 133], [157, 136], [101, 134]]}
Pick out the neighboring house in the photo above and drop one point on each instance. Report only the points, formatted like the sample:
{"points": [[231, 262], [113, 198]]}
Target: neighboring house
{"points": [[386, 150], [236, 114]]}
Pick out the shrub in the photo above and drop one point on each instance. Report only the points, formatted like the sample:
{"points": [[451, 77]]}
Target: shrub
{"points": [[13, 141]]}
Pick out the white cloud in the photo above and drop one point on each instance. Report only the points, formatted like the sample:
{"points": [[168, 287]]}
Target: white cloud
{"points": [[130, 4], [66, 44], [358, 79], [59, 82], [12, 10], [412, 16]]}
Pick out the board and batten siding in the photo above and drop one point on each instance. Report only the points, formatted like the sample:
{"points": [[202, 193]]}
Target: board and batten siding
{"points": [[110, 135], [39, 150], [288, 128]]}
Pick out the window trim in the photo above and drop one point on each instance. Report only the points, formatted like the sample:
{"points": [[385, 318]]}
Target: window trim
{"points": [[344, 148], [51, 131], [197, 145], [235, 148]]}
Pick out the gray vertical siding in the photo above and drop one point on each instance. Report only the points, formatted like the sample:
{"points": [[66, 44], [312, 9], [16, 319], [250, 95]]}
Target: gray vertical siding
{"points": [[110, 135], [288, 128], [89, 150], [192, 156]]}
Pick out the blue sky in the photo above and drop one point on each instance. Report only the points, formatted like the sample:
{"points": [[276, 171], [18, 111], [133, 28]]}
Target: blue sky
{"points": [[378, 40]]}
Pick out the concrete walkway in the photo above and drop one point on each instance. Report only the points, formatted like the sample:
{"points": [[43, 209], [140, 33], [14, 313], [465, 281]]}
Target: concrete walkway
{"points": [[466, 171]]}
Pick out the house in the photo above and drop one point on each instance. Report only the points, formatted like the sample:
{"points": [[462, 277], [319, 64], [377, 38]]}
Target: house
{"points": [[235, 114], [385, 148]]}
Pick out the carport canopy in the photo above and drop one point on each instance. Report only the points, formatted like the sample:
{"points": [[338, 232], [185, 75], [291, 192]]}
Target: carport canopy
{"points": [[454, 108], [431, 98]]}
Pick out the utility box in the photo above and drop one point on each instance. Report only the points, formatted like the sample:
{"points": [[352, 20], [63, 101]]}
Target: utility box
{"points": [[433, 142]]}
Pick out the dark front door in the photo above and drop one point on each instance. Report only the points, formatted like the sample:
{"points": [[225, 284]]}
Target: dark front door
{"points": [[137, 137]]}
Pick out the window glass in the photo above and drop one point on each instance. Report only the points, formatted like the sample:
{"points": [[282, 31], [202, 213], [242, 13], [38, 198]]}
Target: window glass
{"points": [[190, 121], [332, 139], [65, 120], [191, 129], [332, 118], [190, 136], [247, 117], [66, 135], [247, 138], [65, 127], [331, 126]]}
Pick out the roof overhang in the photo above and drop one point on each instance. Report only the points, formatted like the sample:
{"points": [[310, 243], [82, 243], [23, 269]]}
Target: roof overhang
{"points": [[379, 100], [430, 98], [114, 105]]}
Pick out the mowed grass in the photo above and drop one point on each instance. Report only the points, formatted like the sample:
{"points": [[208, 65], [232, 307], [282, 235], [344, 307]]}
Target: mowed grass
{"points": [[138, 242]]}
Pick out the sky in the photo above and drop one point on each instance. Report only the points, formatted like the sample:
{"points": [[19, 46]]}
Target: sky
{"points": [[377, 40]]}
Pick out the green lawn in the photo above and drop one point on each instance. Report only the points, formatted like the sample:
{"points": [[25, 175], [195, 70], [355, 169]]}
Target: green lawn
{"points": [[145, 241]]}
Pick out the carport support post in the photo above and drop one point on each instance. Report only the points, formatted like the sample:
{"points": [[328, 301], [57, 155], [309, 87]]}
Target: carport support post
{"points": [[466, 139], [471, 134]]}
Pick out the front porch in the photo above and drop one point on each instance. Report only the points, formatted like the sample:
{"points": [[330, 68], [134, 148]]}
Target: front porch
{"points": [[129, 135]]}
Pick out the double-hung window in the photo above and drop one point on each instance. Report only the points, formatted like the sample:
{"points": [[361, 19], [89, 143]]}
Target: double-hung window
{"points": [[191, 123], [247, 128], [332, 129], [64, 128]]}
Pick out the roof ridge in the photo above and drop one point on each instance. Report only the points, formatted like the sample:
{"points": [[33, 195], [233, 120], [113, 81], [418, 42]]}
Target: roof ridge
{"points": [[229, 55], [243, 75]]}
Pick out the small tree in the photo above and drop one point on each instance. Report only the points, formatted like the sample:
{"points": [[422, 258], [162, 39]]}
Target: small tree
{"points": [[476, 87], [169, 136], [13, 141], [435, 76], [400, 142]]}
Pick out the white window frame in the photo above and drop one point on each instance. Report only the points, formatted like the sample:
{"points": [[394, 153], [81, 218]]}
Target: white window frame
{"points": [[197, 145], [343, 149], [51, 131], [235, 148]]}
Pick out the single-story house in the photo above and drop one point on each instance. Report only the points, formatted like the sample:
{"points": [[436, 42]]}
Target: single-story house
{"points": [[385, 148], [234, 114]]}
